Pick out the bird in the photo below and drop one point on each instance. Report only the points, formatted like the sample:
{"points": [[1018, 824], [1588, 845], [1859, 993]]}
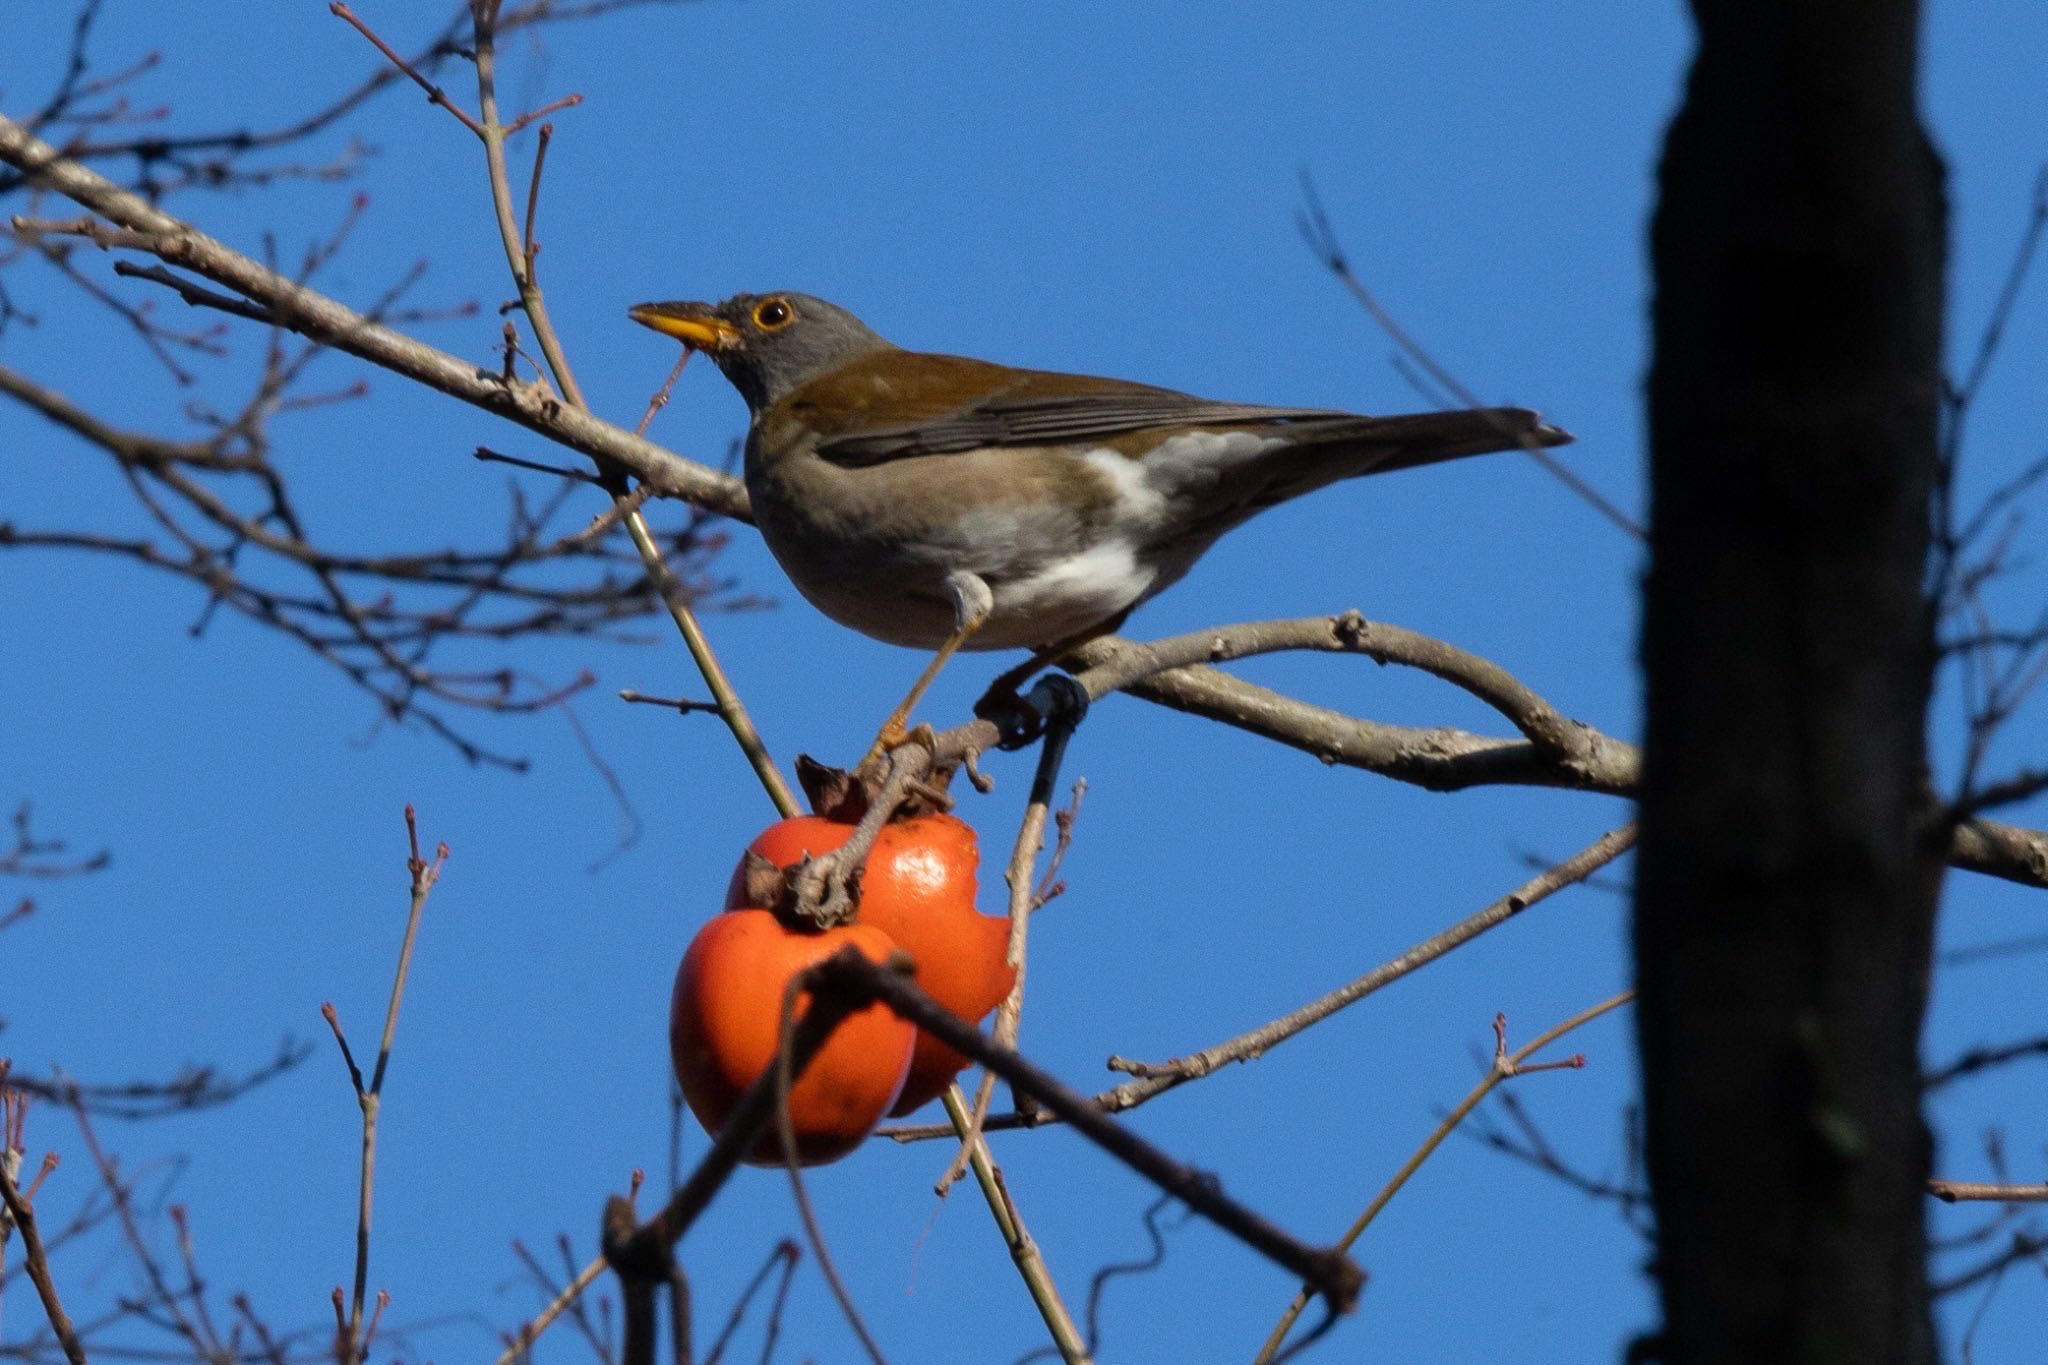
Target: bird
{"points": [[946, 503]]}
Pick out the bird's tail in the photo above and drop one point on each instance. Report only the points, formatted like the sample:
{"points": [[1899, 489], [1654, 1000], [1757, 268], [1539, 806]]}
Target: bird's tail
{"points": [[1325, 450], [1383, 444]]}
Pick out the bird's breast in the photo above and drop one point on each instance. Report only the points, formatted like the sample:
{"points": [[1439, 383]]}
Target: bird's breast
{"points": [[1059, 538]]}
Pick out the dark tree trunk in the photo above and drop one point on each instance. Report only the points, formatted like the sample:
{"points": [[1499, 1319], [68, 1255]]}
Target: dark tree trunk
{"points": [[1787, 876]]}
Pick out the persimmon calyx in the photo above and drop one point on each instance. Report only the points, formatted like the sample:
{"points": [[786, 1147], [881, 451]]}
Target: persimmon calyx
{"points": [[821, 893]]}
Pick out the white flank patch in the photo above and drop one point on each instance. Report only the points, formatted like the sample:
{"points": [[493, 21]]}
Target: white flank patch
{"points": [[1143, 485], [1076, 592], [1213, 447], [1141, 498]]}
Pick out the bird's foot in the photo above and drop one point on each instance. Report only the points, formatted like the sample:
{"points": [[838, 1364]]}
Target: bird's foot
{"points": [[894, 736], [1016, 720], [892, 733], [1053, 699]]}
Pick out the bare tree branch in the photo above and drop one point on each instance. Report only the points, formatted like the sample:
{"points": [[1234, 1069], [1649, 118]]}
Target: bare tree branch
{"points": [[141, 226]]}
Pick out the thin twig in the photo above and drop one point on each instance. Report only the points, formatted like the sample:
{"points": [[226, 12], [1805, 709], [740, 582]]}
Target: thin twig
{"points": [[642, 1268], [1153, 1079], [534, 304], [123, 1199], [1981, 1059], [792, 1164], [1049, 885], [1314, 222], [848, 981], [489, 456], [683, 705], [315, 315], [435, 94], [519, 251], [1067, 714], [531, 244], [423, 875], [37, 1265], [1505, 1066], [1333, 1274], [1962, 395], [839, 985], [786, 1255], [1960, 1191], [1073, 1348], [1559, 740]]}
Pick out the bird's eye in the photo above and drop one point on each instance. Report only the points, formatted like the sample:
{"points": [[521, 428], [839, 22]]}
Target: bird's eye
{"points": [[773, 313]]}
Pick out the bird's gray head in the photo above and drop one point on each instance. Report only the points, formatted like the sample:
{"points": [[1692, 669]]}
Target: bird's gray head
{"points": [[766, 344]]}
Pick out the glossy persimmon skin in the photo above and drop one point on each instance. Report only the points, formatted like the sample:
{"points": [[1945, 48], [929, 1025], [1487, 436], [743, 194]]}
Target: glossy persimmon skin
{"points": [[723, 1018], [918, 888]]}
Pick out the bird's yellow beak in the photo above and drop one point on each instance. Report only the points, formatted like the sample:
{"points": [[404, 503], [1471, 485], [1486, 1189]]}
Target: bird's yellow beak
{"points": [[693, 324]]}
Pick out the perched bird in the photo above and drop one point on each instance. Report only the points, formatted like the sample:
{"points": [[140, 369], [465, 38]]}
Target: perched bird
{"points": [[947, 503]]}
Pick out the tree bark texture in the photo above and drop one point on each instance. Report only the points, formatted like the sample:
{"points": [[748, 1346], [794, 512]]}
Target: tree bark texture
{"points": [[1789, 868]]}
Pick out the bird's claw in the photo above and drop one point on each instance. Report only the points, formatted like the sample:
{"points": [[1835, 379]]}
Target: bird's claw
{"points": [[1055, 699], [1017, 722]]}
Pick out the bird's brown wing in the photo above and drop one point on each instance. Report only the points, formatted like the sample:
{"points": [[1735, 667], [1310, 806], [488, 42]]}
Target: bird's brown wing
{"points": [[954, 404]]}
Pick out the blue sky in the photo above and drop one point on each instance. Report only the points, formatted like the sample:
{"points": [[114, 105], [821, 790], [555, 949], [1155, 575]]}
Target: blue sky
{"points": [[1099, 188]]}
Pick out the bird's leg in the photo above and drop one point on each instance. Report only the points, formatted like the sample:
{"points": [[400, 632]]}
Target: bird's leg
{"points": [[1003, 691], [972, 603], [1002, 701]]}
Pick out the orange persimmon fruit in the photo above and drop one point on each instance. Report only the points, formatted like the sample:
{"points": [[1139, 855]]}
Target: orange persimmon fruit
{"points": [[918, 887], [723, 1019]]}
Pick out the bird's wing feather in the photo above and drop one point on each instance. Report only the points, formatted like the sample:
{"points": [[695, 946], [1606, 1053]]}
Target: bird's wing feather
{"points": [[961, 405]]}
